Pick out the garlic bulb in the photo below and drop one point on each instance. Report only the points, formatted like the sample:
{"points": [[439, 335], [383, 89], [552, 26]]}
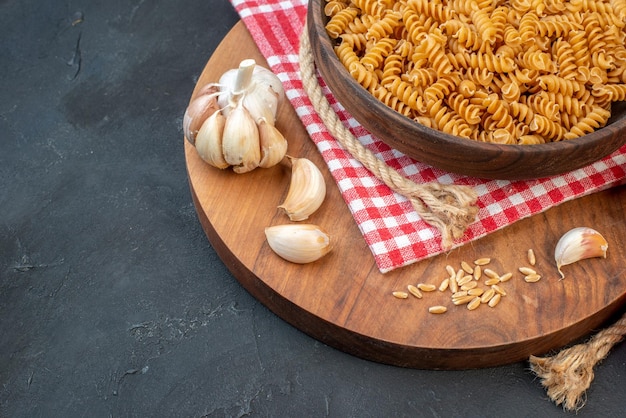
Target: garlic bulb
{"points": [[307, 190], [579, 244], [246, 100], [298, 243]]}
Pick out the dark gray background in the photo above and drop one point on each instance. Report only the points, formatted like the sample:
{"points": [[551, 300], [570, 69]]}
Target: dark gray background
{"points": [[112, 301]]}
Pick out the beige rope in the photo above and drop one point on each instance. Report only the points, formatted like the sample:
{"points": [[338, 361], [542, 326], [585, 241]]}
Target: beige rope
{"points": [[449, 208], [568, 374]]}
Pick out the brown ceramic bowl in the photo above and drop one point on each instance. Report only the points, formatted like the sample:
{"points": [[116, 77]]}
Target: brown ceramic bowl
{"points": [[449, 152]]}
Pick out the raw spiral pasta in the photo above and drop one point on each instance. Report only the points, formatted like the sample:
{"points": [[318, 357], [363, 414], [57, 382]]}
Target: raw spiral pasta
{"points": [[505, 71]]}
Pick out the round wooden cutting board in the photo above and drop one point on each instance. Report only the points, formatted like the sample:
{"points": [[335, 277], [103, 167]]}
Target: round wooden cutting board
{"points": [[343, 300]]}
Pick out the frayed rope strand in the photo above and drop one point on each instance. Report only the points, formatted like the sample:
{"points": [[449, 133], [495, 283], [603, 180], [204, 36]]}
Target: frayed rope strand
{"points": [[449, 208], [568, 374]]}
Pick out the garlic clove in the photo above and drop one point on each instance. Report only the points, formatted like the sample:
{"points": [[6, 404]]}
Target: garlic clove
{"points": [[273, 144], [262, 104], [307, 190], [264, 77], [209, 140], [579, 244], [240, 141], [200, 108], [298, 243]]}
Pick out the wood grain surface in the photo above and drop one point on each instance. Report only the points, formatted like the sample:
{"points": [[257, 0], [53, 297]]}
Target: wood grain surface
{"points": [[344, 301], [450, 153]]}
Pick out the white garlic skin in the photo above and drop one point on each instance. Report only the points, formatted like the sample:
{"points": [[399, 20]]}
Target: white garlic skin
{"points": [[298, 243], [307, 190], [578, 244]]}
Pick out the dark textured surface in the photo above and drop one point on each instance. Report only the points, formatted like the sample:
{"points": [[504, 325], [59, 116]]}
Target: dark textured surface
{"points": [[112, 301]]}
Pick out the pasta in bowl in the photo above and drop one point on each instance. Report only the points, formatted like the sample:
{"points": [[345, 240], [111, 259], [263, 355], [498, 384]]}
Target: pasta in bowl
{"points": [[507, 89]]}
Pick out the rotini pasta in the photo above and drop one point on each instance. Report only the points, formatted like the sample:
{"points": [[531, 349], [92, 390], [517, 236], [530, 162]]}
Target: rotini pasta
{"points": [[594, 119], [462, 106], [421, 77], [505, 71], [333, 7], [446, 120], [393, 67], [367, 79], [340, 20], [375, 55], [565, 59], [371, 7], [385, 26], [407, 93], [386, 97]]}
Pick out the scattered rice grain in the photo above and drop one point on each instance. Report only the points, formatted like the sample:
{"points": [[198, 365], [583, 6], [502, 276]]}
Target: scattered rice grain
{"points": [[415, 291], [454, 286], [494, 300], [498, 289], [532, 278], [490, 273], [463, 300], [401, 295], [437, 309], [506, 277], [464, 280], [477, 291], [487, 295], [451, 271], [474, 303], [527, 271], [467, 268], [482, 261], [491, 282], [478, 272], [531, 257], [469, 286], [426, 287]]}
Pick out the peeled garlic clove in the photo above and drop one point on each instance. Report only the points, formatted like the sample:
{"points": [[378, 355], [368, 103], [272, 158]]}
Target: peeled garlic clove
{"points": [[200, 108], [307, 190], [209, 140], [240, 141], [298, 243], [273, 145], [578, 244]]}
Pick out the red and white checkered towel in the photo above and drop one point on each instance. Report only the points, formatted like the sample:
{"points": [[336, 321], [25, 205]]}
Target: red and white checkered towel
{"points": [[395, 233]]}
